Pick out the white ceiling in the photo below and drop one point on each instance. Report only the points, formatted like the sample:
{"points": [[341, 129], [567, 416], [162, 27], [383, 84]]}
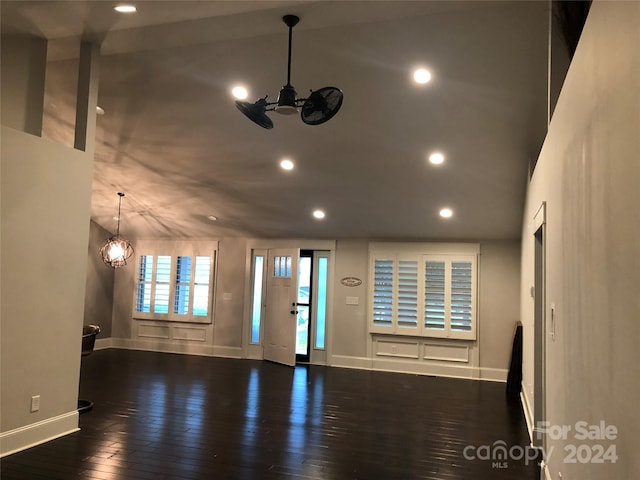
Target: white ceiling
{"points": [[174, 142]]}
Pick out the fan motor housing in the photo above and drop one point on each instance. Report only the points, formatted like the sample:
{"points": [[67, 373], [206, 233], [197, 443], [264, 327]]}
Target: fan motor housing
{"points": [[287, 101]]}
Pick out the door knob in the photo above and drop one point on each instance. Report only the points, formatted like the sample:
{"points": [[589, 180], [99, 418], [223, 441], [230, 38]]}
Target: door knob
{"points": [[293, 312]]}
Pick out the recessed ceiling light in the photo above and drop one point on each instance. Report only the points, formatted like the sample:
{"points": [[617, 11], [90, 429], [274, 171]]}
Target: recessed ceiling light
{"points": [[319, 214], [212, 218], [286, 164], [125, 9], [446, 213], [99, 110], [239, 92], [436, 158], [422, 75]]}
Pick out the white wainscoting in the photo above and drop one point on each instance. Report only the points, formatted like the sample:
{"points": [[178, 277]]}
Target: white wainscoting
{"points": [[194, 334], [384, 347], [422, 356], [172, 338], [447, 353], [172, 331], [154, 331]]}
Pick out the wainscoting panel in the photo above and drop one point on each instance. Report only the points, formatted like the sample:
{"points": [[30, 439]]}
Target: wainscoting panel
{"points": [[449, 353], [154, 331], [172, 331], [190, 333], [422, 356], [404, 349]]}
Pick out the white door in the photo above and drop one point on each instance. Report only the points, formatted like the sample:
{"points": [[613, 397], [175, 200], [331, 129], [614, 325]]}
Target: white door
{"points": [[281, 316]]}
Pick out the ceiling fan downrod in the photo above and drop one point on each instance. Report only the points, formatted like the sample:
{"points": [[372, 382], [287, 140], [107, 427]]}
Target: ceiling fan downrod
{"points": [[286, 104]]}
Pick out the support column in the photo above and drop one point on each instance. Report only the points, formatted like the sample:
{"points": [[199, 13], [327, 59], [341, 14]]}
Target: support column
{"points": [[88, 75]]}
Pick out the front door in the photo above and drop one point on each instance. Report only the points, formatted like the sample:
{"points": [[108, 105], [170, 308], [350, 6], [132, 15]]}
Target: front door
{"points": [[280, 323]]}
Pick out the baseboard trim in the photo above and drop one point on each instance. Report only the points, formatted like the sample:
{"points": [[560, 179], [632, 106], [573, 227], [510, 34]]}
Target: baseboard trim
{"points": [[441, 369], [21, 438], [528, 413], [494, 374], [228, 352], [362, 363], [102, 343], [176, 347]]}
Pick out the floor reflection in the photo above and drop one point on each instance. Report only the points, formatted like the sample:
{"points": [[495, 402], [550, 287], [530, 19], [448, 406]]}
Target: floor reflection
{"points": [[251, 413], [298, 410]]}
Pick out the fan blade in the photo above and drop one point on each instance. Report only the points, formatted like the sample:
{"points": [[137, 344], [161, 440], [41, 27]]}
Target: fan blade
{"points": [[321, 106], [256, 112]]}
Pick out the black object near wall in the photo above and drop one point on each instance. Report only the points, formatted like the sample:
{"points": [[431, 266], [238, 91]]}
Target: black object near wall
{"points": [[514, 379]]}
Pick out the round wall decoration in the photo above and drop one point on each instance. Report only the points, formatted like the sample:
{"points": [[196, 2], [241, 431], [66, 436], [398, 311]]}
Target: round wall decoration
{"points": [[351, 281]]}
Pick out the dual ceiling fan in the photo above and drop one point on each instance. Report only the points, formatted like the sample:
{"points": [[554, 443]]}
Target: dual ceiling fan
{"points": [[319, 107]]}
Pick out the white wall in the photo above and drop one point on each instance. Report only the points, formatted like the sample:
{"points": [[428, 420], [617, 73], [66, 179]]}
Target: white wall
{"points": [[348, 335], [499, 302], [348, 342], [23, 82], [588, 174], [46, 191], [230, 280], [46, 198]]}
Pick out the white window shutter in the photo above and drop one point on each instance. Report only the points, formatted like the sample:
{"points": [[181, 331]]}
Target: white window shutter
{"points": [[461, 314], [426, 294], [434, 295], [407, 294], [163, 284], [383, 279]]}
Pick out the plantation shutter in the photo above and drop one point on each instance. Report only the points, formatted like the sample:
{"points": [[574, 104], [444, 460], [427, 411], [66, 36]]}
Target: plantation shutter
{"points": [[182, 285], [144, 284], [201, 286], [424, 294], [163, 279], [408, 294], [461, 296], [434, 295], [175, 287], [383, 292]]}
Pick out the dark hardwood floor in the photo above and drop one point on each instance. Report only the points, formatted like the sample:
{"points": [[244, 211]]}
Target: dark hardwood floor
{"points": [[164, 416]]}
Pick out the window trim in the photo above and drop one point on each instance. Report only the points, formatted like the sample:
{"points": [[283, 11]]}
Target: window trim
{"points": [[423, 252], [174, 250]]}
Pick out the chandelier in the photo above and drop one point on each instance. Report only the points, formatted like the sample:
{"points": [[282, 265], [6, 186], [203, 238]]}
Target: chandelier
{"points": [[116, 250]]}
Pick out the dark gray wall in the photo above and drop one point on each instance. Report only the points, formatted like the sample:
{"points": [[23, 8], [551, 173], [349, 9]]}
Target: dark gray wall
{"points": [[98, 301]]}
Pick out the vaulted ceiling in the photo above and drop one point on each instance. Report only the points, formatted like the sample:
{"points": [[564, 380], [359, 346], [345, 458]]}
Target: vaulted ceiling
{"points": [[172, 139]]}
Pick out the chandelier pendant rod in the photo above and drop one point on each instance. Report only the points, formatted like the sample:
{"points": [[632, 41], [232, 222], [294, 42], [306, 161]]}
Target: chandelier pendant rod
{"points": [[120, 194]]}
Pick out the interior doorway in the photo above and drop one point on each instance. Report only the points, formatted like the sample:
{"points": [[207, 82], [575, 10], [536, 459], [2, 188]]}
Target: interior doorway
{"points": [[540, 334]]}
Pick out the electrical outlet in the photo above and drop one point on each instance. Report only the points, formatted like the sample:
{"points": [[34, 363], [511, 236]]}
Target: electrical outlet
{"points": [[35, 403]]}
